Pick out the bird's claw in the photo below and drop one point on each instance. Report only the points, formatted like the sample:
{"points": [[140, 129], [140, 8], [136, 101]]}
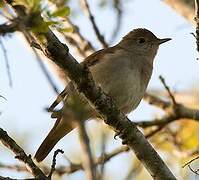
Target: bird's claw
{"points": [[122, 136], [116, 134]]}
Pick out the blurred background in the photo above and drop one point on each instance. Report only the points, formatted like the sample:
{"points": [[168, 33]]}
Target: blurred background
{"points": [[28, 92]]}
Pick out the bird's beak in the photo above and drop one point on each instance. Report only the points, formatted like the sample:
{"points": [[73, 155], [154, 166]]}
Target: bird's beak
{"points": [[160, 41]]}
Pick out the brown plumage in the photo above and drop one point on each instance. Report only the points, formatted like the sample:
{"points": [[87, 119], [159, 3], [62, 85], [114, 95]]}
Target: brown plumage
{"points": [[123, 72]]}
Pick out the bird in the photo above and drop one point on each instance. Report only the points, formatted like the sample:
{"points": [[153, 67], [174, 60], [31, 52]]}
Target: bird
{"points": [[122, 71]]}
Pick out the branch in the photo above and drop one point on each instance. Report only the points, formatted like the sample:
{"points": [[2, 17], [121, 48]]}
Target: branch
{"points": [[54, 162], [173, 113], [118, 8], [73, 167], [168, 90], [190, 161], [103, 150], [100, 160], [155, 131], [157, 122], [7, 63], [88, 162], [8, 28], [154, 100], [96, 29], [46, 73], [197, 23], [86, 45], [21, 155], [82, 78], [70, 40], [189, 165]]}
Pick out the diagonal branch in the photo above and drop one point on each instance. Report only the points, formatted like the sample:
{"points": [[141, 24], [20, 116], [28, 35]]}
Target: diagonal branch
{"points": [[8, 28], [118, 8], [7, 63], [154, 100], [100, 37], [87, 46], [197, 23], [168, 90], [21, 155]]}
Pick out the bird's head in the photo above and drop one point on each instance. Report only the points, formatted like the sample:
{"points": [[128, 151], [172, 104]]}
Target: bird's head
{"points": [[142, 42]]}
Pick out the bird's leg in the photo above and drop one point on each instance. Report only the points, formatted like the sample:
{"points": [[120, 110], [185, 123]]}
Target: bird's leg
{"points": [[123, 134]]}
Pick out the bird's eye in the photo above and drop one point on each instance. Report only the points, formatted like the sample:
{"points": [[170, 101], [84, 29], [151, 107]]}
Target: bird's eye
{"points": [[141, 40]]}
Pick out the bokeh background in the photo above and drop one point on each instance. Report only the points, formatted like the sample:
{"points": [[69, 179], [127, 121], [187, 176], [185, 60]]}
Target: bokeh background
{"points": [[23, 114]]}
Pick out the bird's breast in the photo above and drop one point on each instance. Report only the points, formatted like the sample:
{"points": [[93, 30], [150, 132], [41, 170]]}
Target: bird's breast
{"points": [[124, 82]]}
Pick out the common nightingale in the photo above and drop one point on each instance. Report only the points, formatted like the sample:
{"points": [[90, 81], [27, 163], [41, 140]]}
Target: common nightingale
{"points": [[122, 71]]}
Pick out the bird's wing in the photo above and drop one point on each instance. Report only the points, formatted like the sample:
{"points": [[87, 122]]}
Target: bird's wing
{"points": [[63, 124], [94, 58], [91, 60]]}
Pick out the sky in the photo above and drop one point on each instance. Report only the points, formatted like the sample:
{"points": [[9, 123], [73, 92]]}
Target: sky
{"points": [[23, 114]]}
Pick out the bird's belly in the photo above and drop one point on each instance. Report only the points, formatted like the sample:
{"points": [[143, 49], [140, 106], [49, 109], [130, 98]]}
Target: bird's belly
{"points": [[128, 96], [127, 89]]}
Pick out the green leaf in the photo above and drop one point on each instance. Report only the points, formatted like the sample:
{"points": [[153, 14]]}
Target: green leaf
{"points": [[67, 30], [61, 12], [20, 2], [33, 5], [43, 27]]}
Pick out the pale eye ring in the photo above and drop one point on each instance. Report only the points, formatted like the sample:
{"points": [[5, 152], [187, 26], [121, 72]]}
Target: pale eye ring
{"points": [[141, 40]]}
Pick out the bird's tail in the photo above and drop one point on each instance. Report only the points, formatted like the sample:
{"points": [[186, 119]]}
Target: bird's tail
{"points": [[60, 129]]}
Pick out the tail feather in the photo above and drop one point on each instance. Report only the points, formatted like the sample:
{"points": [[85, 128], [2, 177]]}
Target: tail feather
{"points": [[59, 130]]}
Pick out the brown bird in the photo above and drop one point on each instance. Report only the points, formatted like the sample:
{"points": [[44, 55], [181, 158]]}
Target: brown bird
{"points": [[122, 71]]}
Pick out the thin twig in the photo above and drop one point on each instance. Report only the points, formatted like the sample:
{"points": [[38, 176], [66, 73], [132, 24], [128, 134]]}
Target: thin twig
{"points": [[73, 167], [189, 162], [180, 110], [118, 8], [194, 171], [86, 45], [21, 155], [31, 41], [54, 161], [77, 45], [45, 71], [3, 97], [197, 23], [157, 122], [7, 28], [103, 150], [168, 90], [88, 162], [7, 63], [189, 165], [100, 37], [152, 133], [156, 101]]}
